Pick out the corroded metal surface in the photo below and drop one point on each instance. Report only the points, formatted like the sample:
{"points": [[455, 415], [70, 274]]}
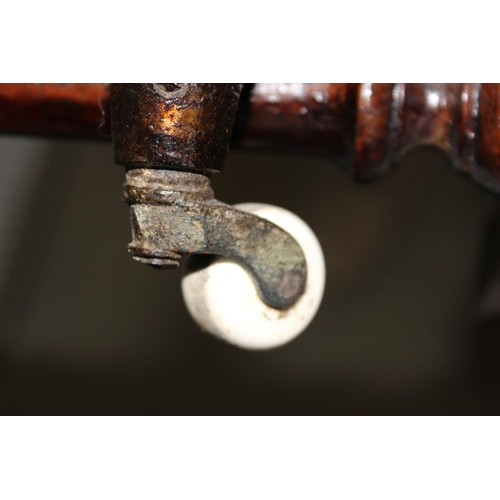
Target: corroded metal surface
{"points": [[170, 136], [176, 125], [174, 215]]}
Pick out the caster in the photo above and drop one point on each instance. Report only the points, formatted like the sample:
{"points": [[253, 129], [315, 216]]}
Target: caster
{"points": [[266, 283], [222, 298]]}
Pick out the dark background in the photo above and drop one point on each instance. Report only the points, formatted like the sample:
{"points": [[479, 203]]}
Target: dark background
{"points": [[84, 329]]}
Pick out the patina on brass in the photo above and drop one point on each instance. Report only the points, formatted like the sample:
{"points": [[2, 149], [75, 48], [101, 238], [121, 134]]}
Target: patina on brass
{"points": [[174, 215], [177, 126]]}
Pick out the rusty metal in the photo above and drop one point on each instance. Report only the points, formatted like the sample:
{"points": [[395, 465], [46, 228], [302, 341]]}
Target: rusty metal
{"points": [[171, 137], [174, 215]]}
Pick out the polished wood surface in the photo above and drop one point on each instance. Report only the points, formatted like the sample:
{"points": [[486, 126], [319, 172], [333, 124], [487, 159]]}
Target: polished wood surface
{"points": [[55, 109], [368, 127]]}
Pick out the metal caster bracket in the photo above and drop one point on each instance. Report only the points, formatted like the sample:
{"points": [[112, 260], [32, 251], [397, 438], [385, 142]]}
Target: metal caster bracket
{"points": [[171, 137]]}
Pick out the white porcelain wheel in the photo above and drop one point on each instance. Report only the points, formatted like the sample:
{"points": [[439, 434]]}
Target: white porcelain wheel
{"points": [[223, 300]]}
